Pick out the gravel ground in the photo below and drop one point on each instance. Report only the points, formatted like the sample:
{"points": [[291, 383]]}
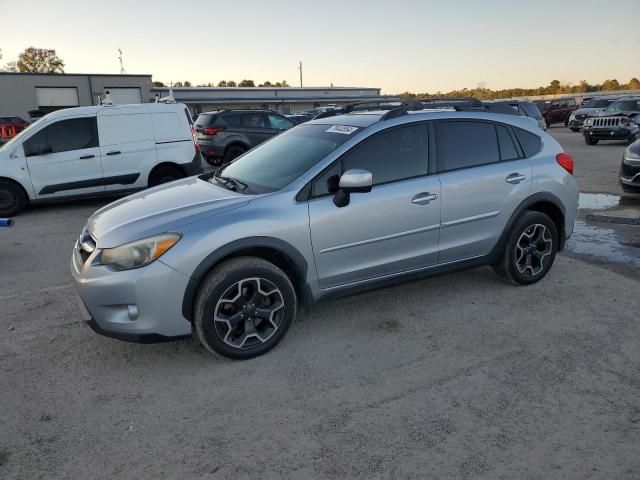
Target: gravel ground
{"points": [[460, 376]]}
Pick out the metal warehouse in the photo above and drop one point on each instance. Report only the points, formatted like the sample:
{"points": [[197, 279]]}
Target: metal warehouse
{"points": [[21, 93], [285, 100], [28, 95]]}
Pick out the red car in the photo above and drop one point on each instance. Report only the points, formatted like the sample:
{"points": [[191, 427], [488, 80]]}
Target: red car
{"points": [[556, 110]]}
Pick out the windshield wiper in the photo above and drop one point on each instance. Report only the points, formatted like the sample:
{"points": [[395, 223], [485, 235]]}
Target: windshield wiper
{"points": [[230, 182]]}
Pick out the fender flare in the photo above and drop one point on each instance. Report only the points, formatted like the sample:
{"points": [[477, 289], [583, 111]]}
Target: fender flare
{"points": [[524, 205], [299, 262]]}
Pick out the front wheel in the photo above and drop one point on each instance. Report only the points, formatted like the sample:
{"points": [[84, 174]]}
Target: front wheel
{"points": [[244, 307], [530, 249], [12, 199], [591, 141]]}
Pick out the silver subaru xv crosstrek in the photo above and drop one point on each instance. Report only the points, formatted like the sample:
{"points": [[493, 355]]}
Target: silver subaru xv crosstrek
{"points": [[331, 207]]}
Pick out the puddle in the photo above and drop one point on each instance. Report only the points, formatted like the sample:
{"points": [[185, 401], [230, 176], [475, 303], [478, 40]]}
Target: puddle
{"points": [[604, 243], [598, 201], [603, 201]]}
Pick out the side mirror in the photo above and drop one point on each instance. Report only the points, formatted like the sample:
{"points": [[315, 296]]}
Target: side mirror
{"points": [[352, 181]]}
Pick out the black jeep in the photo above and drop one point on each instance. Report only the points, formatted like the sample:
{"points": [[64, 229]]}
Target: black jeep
{"points": [[619, 121]]}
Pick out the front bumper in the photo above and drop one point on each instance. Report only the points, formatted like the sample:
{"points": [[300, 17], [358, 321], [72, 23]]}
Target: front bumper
{"points": [[140, 305], [630, 175], [576, 123], [610, 133]]}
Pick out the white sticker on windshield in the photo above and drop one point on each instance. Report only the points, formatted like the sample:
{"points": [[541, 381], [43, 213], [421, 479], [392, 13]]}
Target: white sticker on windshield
{"points": [[344, 129]]}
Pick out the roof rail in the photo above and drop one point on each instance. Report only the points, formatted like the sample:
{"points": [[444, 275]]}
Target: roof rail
{"points": [[383, 104], [405, 107], [451, 100]]}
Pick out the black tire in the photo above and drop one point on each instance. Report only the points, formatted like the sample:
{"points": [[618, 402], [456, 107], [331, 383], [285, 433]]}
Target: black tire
{"points": [[214, 162], [547, 123], [233, 152], [238, 276], [566, 122], [574, 129], [164, 174], [12, 198], [508, 266], [591, 141]]}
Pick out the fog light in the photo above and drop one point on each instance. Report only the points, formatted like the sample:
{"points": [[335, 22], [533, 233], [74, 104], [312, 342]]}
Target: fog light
{"points": [[132, 311]]}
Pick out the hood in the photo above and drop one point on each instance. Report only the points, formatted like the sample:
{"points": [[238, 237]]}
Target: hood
{"points": [[161, 209], [583, 111], [623, 113]]}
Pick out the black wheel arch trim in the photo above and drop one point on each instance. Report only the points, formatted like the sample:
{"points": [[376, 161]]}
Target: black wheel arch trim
{"points": [[275, 244], [528, 202]]}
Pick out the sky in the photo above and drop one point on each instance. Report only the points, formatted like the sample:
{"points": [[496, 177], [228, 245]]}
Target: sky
{"points": [[404, 45]]}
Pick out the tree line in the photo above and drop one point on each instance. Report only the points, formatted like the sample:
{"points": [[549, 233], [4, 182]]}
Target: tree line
{"points": [[555, 87], [223, 83], [35, 60]]}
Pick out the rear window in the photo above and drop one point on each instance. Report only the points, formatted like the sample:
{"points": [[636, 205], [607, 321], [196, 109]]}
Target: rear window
{"points": [[530, 143], [531, 110], [205, 119]]}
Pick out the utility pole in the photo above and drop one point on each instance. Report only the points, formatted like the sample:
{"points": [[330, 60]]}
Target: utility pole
{"points": [[300, 68], [121, 66]]}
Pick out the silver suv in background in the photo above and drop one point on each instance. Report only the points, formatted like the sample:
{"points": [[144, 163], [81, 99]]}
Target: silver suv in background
{"points": [[226, 134], [331, 207]]}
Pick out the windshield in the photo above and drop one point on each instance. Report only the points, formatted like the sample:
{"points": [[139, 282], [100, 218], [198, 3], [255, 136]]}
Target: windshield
{"points": [[624, 106], [278, 162], [597, 103]]}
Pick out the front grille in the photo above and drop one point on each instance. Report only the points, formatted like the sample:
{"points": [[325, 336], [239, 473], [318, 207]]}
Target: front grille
{"points": [[607, 121], [630, 170], [86, 245]]}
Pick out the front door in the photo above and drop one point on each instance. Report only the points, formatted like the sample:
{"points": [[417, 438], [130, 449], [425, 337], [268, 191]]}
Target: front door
{"points": [[64, 159], [392, 229], [484, 179]]}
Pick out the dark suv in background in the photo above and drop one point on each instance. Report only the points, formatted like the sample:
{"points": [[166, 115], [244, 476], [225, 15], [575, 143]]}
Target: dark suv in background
{"points": [[557, 110], [226, 134]]}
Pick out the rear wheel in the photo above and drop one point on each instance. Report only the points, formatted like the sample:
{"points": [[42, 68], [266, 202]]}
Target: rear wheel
{"points": [[244, 307], [530, 250], [591, 141], [164, 174], [12, 199], [233, 152], [574, 129]]}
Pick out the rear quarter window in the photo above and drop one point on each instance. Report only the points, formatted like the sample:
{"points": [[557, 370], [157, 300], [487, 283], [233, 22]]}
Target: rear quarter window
{"points": [[204, 120], [530, 143]]}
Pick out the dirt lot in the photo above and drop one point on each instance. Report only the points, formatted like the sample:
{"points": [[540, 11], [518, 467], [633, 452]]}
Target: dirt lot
{"points": [[460, 376]]}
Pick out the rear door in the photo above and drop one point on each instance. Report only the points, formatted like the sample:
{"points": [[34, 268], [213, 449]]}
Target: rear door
{"points": [[255, 127], [64, 158], [127, 145], [483, 177], [392, 229]]}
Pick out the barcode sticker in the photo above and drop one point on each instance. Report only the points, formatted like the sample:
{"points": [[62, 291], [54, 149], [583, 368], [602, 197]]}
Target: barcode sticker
{"points": [[344, 129]]}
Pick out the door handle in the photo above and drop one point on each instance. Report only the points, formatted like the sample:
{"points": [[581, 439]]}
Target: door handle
{"points": [[86, 157], [515, 178], [423, 198], [114, 152]]}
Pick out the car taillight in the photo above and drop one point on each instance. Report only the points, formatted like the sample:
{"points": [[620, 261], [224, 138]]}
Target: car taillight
{"points": [[212, 130], [193, 134], [565, 161]]}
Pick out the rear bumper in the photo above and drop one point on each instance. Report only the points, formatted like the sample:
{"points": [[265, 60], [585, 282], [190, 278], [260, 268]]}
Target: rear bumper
{"points": [[195, 167], [209, 150]]}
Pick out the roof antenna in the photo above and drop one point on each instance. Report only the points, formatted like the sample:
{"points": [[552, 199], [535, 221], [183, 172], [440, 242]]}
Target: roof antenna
{"points": [[107, 99], [122, 72], [169, 98], [157, 98]]}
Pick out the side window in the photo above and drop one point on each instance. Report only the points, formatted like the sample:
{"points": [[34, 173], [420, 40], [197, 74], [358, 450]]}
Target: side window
{"points": [[466, 144], [571, 102], [253, 120], [64, 136], [229, 120], [392, 155], [280, 123], [530, 143], [508, 150]]}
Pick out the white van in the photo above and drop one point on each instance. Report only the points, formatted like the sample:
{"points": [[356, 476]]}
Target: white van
{"points": [[87, 151]]}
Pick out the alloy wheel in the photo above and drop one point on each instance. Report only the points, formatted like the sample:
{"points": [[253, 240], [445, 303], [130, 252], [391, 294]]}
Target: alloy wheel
{"points": [[248, 313], [533, 249]]}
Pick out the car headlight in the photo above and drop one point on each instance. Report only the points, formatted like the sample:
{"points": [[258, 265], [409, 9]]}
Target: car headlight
{"points": [[629, 155], [588, 122], [139, 253]]}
